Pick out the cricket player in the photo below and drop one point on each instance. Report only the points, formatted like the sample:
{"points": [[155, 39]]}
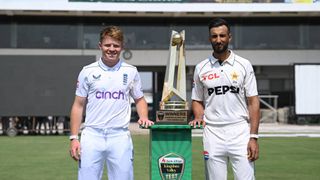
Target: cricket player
{"points": [[103, 90], [224, 100]]}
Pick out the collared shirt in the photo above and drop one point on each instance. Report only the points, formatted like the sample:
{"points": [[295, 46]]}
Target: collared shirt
{"points": [[108, 91], [224, 88]]}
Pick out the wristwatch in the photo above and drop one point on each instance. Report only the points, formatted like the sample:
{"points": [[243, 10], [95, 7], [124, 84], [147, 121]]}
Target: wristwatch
{"points": [[255, 136], [72, 137]]}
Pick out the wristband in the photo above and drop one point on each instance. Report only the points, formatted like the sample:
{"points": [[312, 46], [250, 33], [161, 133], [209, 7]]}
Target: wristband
{"points": [[255, 136], [72, 137]]}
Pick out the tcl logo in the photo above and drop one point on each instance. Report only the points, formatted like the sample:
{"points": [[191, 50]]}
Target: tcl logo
{"points": [[210, 76]]}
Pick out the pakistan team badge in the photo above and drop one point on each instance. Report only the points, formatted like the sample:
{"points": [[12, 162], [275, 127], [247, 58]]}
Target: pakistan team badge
{"points": [[171, 166]]}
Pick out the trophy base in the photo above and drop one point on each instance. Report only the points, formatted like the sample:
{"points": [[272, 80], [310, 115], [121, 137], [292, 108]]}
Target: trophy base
{"points": [[172, 117]]}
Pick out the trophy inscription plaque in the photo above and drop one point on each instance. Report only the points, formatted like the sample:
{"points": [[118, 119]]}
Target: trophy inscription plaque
{"points": [[173, 105]]}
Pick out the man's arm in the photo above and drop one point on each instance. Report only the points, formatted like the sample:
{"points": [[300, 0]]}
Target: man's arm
{"points": [[198, 112], [142, 110], [75, 123], [254, 115]]}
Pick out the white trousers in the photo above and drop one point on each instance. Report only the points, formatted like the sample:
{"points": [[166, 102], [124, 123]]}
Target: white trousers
{"points": [[112, 147], [227, 143]]}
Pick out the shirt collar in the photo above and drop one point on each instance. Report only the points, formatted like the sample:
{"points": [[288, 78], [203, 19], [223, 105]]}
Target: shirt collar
{"points": [[229, 60], [107, 68]]}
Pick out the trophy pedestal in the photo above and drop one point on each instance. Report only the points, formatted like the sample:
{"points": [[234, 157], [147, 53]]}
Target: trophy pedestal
{"points": [[170, 152]]}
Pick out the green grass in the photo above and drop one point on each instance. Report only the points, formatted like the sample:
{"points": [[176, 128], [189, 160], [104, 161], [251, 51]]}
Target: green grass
{"points": [[289, 158], [47, 158]]}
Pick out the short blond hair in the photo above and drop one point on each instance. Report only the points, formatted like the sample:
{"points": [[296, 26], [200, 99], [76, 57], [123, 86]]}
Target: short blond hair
{"points": [[112, 31]]}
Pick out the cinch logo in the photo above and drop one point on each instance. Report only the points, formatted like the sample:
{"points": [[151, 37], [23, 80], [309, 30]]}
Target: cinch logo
{"points": [[210, 76], [110, 95], [219, 90]]}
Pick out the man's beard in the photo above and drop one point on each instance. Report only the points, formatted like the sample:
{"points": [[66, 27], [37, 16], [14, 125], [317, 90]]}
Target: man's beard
{"points": [[219, 50]]}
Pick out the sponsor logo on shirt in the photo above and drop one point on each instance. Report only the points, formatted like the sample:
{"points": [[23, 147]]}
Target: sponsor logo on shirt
{"points": [[96, 77], [210, 76], [220, 90], [110, 95]]}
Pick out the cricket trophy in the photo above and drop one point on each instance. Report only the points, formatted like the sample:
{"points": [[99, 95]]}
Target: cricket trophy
{"points": [[173, 105]]}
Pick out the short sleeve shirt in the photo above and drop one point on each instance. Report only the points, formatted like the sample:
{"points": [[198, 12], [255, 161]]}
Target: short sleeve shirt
{"points": [[108, 91], [223, 89]]}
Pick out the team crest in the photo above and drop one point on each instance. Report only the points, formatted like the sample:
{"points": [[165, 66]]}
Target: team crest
{"points": [[234, 76], [125, 79]]}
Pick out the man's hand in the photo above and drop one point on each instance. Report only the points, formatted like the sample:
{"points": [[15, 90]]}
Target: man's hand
{"points": [[197, 122], [145, 122], [253, 149], [75, 149]]}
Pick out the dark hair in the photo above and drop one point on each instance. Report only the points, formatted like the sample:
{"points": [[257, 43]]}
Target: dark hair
{"points": [[216, 22], [112, 31]]}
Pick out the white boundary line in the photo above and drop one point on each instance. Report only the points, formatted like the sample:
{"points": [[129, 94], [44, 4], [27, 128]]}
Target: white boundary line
{"points": [[274, 135], [290, 135]]}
